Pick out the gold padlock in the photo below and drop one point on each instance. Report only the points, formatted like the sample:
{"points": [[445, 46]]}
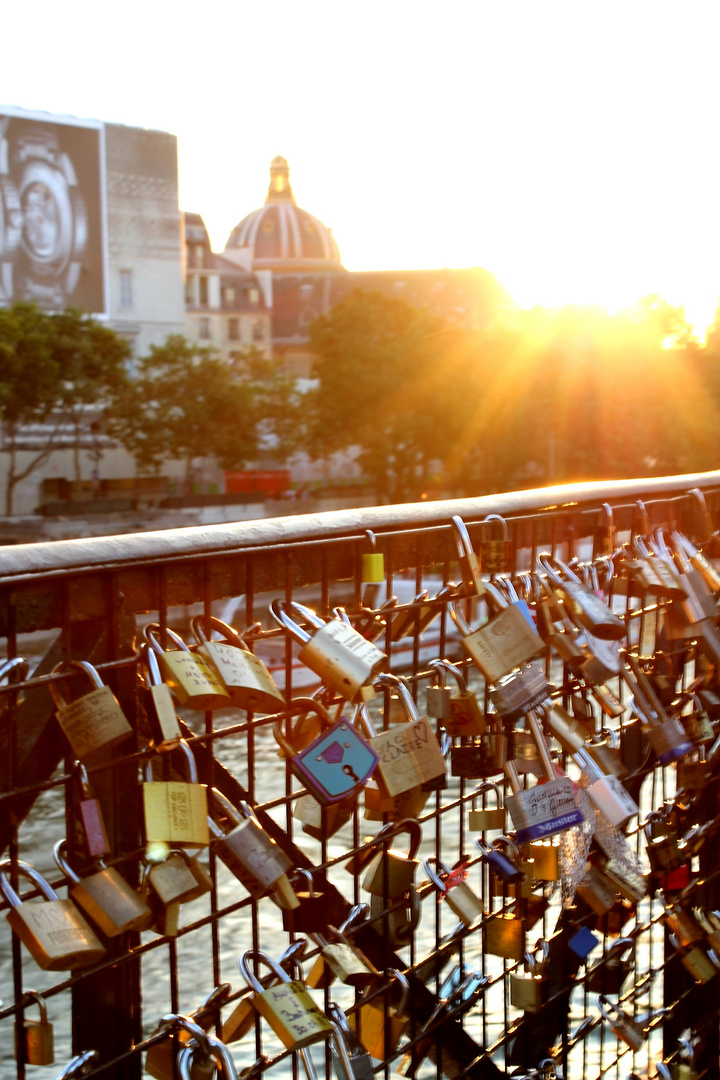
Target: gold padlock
{"points": [[105, 897], [189, 676], [256, 860], [286, 1005], [94, 722], [379, 1024], [392, 872], [244, 675], [464, 715], [176, 811], [454, 890], [494, 550], [502, 644], [489, 817], [504, 935], [178, 878], [52, 930], [528, 989], [37, 1035], [244, 1015], [164, 724]]}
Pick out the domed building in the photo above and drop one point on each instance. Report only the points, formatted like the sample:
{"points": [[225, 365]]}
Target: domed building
{"points": [[288, 258]]}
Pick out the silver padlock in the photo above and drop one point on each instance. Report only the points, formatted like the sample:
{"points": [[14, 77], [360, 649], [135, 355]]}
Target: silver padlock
{"points": [[340, 656]]}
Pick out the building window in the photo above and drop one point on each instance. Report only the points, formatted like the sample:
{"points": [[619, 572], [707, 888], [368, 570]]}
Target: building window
{"points": [[199, 256], [126, 289], [233, 329], [204, 329], [203, 290], [253, 295], [258, 332], [229, 294]]}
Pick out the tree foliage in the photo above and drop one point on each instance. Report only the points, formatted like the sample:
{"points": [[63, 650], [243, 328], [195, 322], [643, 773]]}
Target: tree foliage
{"points": [[56, 370], [187, 403]]}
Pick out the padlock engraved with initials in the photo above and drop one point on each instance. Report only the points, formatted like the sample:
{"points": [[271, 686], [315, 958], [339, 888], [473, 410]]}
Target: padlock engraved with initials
{"points": [[93, 722]]}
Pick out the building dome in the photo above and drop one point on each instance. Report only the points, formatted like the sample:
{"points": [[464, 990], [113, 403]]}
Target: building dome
{"points": [[281, 236]]}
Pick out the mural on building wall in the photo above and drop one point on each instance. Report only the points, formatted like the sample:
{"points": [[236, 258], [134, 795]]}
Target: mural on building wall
{"points": [[52, 212]]}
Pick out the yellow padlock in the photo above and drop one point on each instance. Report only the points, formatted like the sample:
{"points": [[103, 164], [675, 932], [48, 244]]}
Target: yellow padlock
{"points": [[189, 676]]}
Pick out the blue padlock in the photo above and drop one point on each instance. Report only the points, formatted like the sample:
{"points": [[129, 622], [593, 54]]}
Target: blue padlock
{"points": [[335, 765], [583, 942]]}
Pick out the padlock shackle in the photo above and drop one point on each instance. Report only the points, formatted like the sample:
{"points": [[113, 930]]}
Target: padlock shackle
{"points": [[60, 857], [31, 996], [487, 785], [216, 1050], [558, 571], [503, 522], [27, 871], [358, 914], [393, 828], [543, 750], [361, 718], [400, 978], [235, 814], [280, 615], [441, 666], [428, 864], [506, 841], [66, 666], [151, 668], [181, 744], [230, 635], [300, 707], [461, 536], [152, 632], [80, 1065], [396, 682], [257, 957], [15, 670]]}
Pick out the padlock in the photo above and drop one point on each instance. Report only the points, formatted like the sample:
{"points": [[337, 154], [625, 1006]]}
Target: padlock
{"points": [[339, 959], [360, 1060], [372, 566], [540, 860], [104, 896], [463, 716], [175, 811], [344, 660], [94, 723], [525, 753], [379, 806], [488, 818], [582, 942], [89, 813], [179, 1033], [516, 694], [321, 822], [665, 734], [459, 992], [399, 919], [454, 890], [162, 718], [662, 844], [256, 860], [468, 561], [409, 754], [607, 793], [505, 869], [608, 975], [710, 922], [694, 718], [695, 961], [211, 1054], [506, 641], [286, 1005], [504, 935], [621, 1024], [528, 989], [494, 551], [311, 914], [244, 1015], [583, 605], [391, 872], [334, 766], [52, 930], [684, 926], [605, 533], [596, 890], [178, 878], [379, 1023], [37, 1035], [481, 757], [608, 702], [545, 809], [244, 675], [160, 1057], [80, 1065], [193, 682], [698, 560]]}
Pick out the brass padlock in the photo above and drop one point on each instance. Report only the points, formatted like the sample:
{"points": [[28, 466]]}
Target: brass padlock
{"points": [[323, 821], [178, 878], [454, 890], [379, 806], [162, 718], [176, 811], [464, 716], [93, 723], [379, 1023], [344, 660], [504, 935], [494, 550], [398, 920], [37, 1035], [193, 682], [528, 989], [340, 958], [255, 859], [488, 818], [505, 642], [286, 1005], [52, 930], [391, 872], [597, 891], [605, 533], [468, 561], [105, 897], [244, 675], [541, 860], [695, 961], [160, 1058], [243, 1016], [409, 754]]}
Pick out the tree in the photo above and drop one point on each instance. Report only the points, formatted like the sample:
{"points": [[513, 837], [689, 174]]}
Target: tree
{"points": [[187, 403], [381, 387], [52, 367]]}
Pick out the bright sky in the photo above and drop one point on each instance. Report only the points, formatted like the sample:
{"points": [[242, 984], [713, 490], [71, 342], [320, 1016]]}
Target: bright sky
{"points": [[569, 147]]}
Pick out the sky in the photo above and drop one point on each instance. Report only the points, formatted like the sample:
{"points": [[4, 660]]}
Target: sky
{"points": [[568, 147]]}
